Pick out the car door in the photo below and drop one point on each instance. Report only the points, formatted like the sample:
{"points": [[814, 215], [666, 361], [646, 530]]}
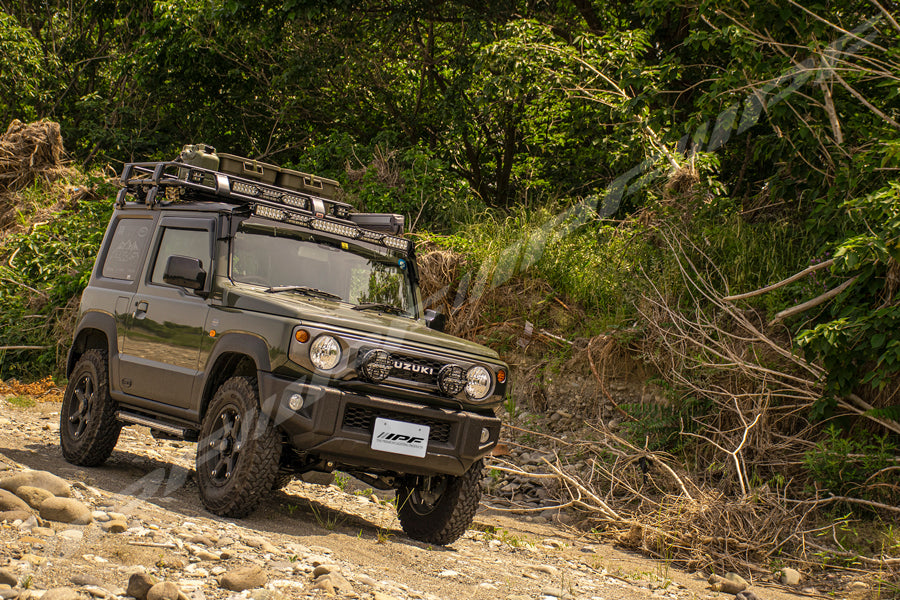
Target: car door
{"points": [[162, 340]]}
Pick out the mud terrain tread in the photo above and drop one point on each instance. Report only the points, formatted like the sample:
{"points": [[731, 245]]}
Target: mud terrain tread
{"points": [[453, 514], [254, 478], [99, 440]]}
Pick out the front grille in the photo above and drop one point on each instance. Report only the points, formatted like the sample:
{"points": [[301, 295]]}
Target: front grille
{"points": [[362, 418], [415, 369]]}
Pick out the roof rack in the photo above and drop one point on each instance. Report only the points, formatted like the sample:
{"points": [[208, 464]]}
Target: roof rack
{"points": [[169, 182]]}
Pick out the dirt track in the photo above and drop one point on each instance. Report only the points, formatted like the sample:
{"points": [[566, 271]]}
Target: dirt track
{"points": [[351, 531]]}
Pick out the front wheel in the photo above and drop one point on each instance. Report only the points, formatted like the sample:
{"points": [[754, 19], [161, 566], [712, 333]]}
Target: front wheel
{"points": [[88, 428], [238, 451], [439, 509]]}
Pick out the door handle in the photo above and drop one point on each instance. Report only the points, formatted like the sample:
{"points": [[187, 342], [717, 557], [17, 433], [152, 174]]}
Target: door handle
{"points": [[140, 308]]}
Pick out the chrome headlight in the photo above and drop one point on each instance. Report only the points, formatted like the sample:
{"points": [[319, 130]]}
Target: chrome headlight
{"points": [[478, 383], [325, 352]]}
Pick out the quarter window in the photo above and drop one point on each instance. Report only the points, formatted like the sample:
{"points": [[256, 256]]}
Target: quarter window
{"points": [[127, 248]]}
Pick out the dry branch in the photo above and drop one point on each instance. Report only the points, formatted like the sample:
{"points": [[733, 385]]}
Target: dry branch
{"points": [[781, 283], [795, 310]]}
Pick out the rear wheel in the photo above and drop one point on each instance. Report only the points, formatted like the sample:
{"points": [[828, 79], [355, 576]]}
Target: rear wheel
{"points": [[238, 451], [88, 429], [439, 509]]}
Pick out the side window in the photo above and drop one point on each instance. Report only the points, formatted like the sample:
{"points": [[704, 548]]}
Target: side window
{"points": [[129, 242], [194, 243]]}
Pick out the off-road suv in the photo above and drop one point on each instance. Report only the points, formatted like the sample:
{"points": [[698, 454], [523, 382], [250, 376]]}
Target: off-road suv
{"points": [[236, 305]]}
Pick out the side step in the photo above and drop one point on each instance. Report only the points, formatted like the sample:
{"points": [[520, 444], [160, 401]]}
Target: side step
{"points": [[167, 429]]}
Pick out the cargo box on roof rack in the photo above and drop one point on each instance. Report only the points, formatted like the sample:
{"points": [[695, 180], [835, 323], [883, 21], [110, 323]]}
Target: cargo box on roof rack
{"points": [[205, 156], [274, 175]]}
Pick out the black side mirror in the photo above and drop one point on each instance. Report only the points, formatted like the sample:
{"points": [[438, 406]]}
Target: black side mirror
{"points": [[185, 272], [435, 320]]}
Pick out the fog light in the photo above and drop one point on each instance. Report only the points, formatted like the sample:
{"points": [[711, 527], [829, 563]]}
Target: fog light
{"points": [[376, 365], [451, 379], [485, 435], [295, 402]]}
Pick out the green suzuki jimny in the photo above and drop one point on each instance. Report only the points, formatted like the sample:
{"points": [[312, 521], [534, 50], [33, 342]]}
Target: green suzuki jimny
{"points": [[239, 305]]}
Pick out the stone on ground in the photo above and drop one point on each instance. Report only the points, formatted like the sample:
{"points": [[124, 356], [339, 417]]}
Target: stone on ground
{"points": [[39, 479], [66, 510]]}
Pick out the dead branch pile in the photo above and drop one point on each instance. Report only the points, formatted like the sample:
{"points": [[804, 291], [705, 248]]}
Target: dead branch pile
{"points": [[712, 511], [646, 502], [28, 152]]}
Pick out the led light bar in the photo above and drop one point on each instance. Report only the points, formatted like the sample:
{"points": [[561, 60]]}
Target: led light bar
{"points": [[173, 180], [350, 231], [242, 187]]}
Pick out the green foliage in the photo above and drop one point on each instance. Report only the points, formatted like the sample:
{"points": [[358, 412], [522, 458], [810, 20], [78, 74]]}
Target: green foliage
{"points": [[854, 465], [41, 271], [856, 338]]}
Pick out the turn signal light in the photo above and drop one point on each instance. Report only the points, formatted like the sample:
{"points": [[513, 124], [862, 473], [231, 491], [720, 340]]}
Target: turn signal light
{"points": [[501, 376], [302, 336]]}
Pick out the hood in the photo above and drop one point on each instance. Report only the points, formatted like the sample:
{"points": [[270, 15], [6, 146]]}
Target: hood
{"points": [[340, 315]]}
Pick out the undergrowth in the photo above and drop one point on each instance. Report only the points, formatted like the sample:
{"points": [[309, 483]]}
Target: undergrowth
{"points": [[43, 269]]}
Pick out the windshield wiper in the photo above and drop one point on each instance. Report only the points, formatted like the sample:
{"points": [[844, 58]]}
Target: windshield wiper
{"points": [[380, 306], [303, 289]]}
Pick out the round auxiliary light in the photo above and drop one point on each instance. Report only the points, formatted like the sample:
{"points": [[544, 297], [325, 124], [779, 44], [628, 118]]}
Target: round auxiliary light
{"points": [[325, 352], [301, 335], [451, 379], [478, 384], [501, 376], [376, 365]]}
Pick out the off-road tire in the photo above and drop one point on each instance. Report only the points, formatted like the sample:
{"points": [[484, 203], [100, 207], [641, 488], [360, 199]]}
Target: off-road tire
{"points": [[238, 450], [281, 481], [449, 516], [88, 429]]}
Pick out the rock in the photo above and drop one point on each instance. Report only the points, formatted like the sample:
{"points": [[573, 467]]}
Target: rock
{"points": [[723, 584], [72, 535], [6, 594], [9, 501], [336, 582], [383, 596], [115, 526], [206, 555], [857, 585], [366, 580], [547, 569], [449, 573], [200, 539], [100, 516], [165, 590], [33, 496], [324, 584], [139, 584], [556, 592], [790, 576], [66, 510], [264, 594], [323, 570], [7, 577], [61, 593], [39, 479], [746, 595], [45, 531], [11, 516], [244, 578], [85, 579], [810, 590]]}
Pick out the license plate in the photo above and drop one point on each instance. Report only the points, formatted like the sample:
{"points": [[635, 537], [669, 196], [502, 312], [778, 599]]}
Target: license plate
{"points": [[400, 437]]}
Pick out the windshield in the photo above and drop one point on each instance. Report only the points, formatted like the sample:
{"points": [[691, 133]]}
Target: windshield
{"points": [[286, 261]]}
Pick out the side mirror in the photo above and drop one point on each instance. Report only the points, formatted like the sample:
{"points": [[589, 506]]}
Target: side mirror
{"points": [[185, 272], [435, 320]]}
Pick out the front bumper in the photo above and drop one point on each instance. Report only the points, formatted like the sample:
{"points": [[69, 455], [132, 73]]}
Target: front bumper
{"points": [[337, 426]]}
